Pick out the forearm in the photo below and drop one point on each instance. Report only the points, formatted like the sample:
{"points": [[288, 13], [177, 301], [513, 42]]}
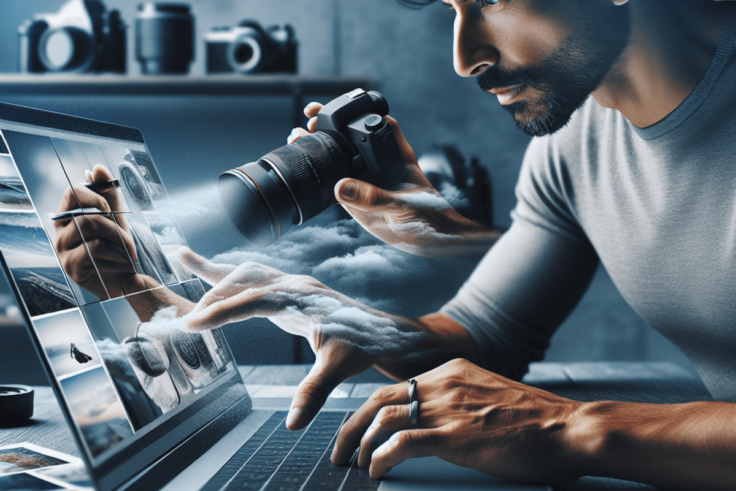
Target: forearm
{"points": [[444, 340], [683, 446]]}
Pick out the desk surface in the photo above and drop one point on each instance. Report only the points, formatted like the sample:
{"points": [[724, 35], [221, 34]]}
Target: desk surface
{"points": [[661, 383]]}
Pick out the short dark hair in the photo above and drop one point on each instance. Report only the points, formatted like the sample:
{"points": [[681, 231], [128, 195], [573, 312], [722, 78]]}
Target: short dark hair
{"points": [[416, 4]]}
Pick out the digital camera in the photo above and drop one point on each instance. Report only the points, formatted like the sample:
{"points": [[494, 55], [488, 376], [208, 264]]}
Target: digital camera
{"points": [[83, 36], [249, 48], [296, 182]]}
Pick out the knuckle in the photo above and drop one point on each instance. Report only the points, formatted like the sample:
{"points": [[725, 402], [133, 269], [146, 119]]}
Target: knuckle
{"points": [[405, 439], [380, 394]]}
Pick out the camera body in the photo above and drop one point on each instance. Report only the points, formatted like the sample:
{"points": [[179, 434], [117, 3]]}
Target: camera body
{"points": [[294, 183], [83, 36], [249, 48]]}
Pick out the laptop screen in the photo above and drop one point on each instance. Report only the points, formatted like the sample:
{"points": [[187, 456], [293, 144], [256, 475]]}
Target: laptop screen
{"points": [[95, 266]]}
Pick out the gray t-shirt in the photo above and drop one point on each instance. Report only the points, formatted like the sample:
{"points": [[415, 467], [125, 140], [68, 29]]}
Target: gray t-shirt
{"points": [[656, 206]]}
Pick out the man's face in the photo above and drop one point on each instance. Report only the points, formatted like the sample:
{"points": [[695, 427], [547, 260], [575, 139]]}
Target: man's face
{"points": [[541, 58]]}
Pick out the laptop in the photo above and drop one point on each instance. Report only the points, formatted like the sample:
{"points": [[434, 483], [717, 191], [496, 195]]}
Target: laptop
{"points": [[150, 405]]}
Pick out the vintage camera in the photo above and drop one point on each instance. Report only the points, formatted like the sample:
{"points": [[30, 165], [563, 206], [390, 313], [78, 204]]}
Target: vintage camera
{"points": [[83, 36], [138, 183], [249, 48], [296, 182]]}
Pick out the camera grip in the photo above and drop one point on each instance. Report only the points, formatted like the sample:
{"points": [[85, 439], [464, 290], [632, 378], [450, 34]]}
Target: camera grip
{"points": [[390, 161]]}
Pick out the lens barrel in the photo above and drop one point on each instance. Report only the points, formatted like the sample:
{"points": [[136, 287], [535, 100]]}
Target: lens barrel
{"points": [[287, 187], [164, 38]]}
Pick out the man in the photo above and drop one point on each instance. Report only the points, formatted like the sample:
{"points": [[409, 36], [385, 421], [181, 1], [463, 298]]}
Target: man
{"points": [[632, 102]]}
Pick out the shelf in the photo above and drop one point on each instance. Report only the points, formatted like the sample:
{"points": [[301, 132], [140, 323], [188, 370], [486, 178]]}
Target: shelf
{"points": [[293, 86], [287, 85]]}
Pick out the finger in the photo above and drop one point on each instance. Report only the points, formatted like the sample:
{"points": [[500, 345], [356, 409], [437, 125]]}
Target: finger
{"points": [[407, 444], [311, 395], [210, 272], [87, 198], [296, 134], [68, 201], [312, 109], [312, 125], [100, 174], [365, 196], [354, 428], [102, 250], [94, 227], [214, 310], [388, 421], [78, 265], [113, 196]]}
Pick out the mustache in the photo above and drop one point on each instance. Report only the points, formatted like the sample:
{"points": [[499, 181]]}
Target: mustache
{"points": [[497, 78]]}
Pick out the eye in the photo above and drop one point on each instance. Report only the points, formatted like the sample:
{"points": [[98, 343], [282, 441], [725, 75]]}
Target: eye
{"points": [[490, 2]]}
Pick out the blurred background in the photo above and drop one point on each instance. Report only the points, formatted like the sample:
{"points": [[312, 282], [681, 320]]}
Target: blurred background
{"points": [[198, 125]]}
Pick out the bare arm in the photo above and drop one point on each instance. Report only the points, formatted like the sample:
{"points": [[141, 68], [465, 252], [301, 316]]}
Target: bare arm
{"points": [[445, 340], [475, 418], [680, 446]]}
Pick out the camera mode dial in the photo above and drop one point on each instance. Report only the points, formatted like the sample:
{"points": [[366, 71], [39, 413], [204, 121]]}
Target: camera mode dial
{"points": [[374, 122]]}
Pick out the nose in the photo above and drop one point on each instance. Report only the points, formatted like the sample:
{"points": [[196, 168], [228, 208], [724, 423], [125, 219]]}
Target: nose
{"points": [[473, 50]]}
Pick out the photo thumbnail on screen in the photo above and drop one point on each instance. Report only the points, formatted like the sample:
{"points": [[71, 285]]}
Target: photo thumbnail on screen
{"points": [[33, 264], [154, 363], [67, 343], [100, 230], [49, 190], [96, 409], [13, 195]]}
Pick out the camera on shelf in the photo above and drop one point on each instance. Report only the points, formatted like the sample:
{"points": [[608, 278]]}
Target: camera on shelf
{"points": [[83, 36], [249, 48]]}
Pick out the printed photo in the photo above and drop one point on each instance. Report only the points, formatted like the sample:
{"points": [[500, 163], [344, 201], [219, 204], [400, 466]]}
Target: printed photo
{"points": [[22, 458], [48, 187], [73, 474], [67, 342], [96, 410], [13, 194], [33, 264], [26, 482], [141, 409]]}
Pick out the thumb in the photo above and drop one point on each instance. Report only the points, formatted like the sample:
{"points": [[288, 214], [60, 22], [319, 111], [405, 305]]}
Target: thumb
{"points": [[210, 272], [364, 196], [311, 395]]}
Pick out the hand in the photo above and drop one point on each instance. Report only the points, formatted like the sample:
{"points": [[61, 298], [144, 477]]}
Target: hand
{"points": [[414, 217], [110, 243], [346, 336], [467, 416]]}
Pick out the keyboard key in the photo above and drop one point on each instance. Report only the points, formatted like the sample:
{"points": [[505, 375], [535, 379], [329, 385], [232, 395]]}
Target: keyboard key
{"points": [[245, 452]]}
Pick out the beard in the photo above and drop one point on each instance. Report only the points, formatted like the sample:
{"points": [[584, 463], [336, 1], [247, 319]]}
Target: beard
{"points": [[567, 77]]}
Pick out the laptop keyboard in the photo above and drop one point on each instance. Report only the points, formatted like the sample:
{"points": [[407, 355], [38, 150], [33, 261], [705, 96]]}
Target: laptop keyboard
{"points": [[276, 459]]}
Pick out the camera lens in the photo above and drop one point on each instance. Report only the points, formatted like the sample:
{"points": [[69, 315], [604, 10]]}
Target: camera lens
{"points": [[164, 38], [287, 187], [244, 54], [185, 350], [66, 49]]}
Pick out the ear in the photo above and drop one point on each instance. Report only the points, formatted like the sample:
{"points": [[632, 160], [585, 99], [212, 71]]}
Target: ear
{"points": [[620, 2]]}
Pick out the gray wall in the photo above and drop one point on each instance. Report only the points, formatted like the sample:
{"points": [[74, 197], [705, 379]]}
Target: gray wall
{"points": [[409, 53]]}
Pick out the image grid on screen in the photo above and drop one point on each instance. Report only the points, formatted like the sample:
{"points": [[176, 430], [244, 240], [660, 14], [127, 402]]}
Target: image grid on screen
{"points": [[123, 358]]}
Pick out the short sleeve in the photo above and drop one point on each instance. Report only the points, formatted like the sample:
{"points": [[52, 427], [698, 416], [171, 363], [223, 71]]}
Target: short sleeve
{"points": [[533, 277]]}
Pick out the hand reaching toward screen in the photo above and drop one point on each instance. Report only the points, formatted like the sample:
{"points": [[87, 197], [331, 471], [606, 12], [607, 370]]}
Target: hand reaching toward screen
{"points": [[346, 336], [414, 217]]}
